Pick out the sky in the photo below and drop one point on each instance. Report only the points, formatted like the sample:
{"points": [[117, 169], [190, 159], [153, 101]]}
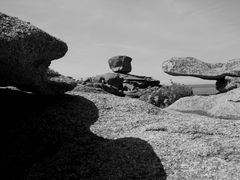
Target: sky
{"points": [[149, 31]]}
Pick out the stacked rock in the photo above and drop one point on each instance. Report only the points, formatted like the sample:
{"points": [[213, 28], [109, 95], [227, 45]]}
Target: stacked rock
{"points": [[25, 54], [120, 64], [227, 75], [120, 82]]}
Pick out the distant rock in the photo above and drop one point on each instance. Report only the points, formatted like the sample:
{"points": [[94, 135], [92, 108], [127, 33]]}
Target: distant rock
{"points": [[138, 81], [121, 84], [228, 83], [112, 79], [226, 74], [25, 54], [224, 105], [189, 66], [120, 64]]}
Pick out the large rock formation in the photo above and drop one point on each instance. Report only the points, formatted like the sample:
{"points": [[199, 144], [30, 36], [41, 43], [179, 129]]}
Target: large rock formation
{"points": [[120, 64], [91, 135], [25, 54], [115, 83], [189, 66]]}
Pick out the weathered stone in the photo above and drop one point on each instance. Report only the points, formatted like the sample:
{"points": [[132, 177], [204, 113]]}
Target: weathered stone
{"points": [[139, 81], [228, 83], [132, 94], [112, 79], [189, 66], [224, 105], [25, 54], [120, 64]]}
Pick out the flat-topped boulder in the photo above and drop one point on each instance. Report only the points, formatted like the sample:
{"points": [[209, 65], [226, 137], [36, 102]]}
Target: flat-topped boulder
{"points": [[189, 66], [112, 79], [25, 54], [120, 64], [139, 81]]}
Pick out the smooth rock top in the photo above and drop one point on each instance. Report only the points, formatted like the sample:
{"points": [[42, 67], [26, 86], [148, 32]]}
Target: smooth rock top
{"points": [[224, 105], [120, 64], [189, 66], [25, 54]]}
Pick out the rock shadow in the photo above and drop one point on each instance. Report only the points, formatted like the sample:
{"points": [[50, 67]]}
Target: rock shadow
{"points": [[46, 137]]}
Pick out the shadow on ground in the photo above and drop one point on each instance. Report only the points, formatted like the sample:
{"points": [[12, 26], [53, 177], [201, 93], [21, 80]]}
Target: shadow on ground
{"points": [[45, 137]]}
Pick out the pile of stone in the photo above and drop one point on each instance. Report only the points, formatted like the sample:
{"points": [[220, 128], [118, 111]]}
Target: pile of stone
{"points": [[25, 54], [227, 75], [120, 82]]}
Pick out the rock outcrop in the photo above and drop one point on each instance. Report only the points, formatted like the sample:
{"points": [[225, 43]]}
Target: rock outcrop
{"points": [[91, 135], [224, 73], [122, 84], [227, 84], [112, 79], [224, 105], [190, 66], [138, 81], [25, 54], [120, 64]]}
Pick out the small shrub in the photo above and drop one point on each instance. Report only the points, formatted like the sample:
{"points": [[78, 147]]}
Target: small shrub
{"points": [[166, 95]]}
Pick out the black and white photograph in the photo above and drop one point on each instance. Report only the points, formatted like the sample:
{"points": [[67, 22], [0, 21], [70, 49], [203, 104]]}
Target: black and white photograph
{"points": [[119, 90]]}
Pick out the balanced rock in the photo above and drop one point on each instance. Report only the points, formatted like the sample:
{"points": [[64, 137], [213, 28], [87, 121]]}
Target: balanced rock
{"points": [[120, 64], [25, 54], [189, 66]]}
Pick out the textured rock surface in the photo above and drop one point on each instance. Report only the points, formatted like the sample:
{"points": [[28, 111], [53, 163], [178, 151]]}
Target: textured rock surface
{"points": [[139, 81], [112, 79], [189, 66], [115, 83], [25, 54], [120, 64], [91, 135], [225, 105]]}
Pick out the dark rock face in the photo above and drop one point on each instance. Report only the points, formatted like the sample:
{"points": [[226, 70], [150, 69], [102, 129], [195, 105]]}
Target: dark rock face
{"points": [[120, 64], [189, 66], [25, 54], [227, 84], [50, 138]]}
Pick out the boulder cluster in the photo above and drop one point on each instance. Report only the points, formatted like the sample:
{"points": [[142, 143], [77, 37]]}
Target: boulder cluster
{"points": [[25, 54], [120, 82], [227, 75]]}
